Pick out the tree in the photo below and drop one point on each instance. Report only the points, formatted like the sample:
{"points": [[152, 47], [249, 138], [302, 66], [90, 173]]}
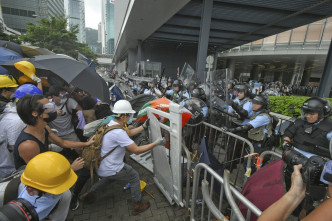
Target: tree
{"points": [[12, 38], [54, 36]]}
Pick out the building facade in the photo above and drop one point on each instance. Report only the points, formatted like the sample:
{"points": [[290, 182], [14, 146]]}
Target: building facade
{"points": [[107, 27], [296, 56], [17, 13], [75, 12]]}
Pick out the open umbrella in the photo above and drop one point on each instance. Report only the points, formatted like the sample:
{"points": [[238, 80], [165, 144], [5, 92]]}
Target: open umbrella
{"points": [[31, 51], [12, 46], [7, 55], [63, 67]]}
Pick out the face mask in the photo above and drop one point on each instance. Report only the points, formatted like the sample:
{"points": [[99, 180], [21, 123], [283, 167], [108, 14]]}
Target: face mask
{"points": [[51, 117], [130, 119], [63, 100]]}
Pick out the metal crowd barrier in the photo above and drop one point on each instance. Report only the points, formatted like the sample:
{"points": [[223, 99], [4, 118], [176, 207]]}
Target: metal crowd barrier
{"points": [[215, 202], [229, 149]]}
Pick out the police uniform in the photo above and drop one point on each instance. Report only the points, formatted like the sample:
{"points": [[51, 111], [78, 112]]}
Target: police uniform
{"points": [[177, 97], [262, 128], [246, 104], [312, 138]]}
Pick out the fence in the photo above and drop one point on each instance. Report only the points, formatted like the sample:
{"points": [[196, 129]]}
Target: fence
{"points": [[210, 198]]}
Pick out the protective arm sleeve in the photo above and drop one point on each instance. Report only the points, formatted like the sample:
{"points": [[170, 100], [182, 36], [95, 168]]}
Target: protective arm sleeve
{"points": [[240, 110], [242, 128]]}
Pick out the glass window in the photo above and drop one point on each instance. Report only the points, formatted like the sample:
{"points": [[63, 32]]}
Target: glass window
{"points": [[14, 11], [314, 32], [6, 10], [270, 40], [299, 34], [327, 33], [23, 13], [258, 42], [283, 37]]}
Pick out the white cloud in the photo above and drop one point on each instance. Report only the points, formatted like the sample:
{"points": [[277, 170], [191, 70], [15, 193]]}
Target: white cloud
{"points": [[92, 13]]}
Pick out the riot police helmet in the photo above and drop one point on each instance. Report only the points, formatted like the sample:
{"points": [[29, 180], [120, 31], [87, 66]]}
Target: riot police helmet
{"points": [[316, 105], [199, 93], [262, 100], [242, 88], [178, 83]]}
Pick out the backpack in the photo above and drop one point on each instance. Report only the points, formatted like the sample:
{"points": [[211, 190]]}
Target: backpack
{"points": [[91, 153]]}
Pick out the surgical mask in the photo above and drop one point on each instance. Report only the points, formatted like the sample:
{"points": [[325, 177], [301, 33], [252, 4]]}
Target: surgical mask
{"points": [[130, 119], [63, 100], [51, 117]]}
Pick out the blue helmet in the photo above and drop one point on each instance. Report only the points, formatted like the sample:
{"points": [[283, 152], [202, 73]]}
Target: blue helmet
{"points": [[26, 89]]}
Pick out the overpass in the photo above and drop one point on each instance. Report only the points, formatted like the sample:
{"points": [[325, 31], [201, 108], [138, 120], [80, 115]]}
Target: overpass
{"points": [[177, 31]]}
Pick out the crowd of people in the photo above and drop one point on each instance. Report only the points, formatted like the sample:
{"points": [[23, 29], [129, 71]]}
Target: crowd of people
{"points": [[39, 119]]}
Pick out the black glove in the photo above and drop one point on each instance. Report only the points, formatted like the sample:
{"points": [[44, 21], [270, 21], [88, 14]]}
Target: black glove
{"points": [[146, 123], [230, 102]]}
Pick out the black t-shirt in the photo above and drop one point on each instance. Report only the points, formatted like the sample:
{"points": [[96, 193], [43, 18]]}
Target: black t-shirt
{"points": [[26, 136]]}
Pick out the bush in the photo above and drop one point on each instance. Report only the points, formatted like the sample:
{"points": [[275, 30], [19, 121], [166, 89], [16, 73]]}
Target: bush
{"points": [[288, 105]]}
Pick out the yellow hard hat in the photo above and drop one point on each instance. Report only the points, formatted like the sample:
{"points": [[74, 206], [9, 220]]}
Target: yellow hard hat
{"points": [[143, 185], [49, 172], [26, 68], [25, 79], [7, 81]]}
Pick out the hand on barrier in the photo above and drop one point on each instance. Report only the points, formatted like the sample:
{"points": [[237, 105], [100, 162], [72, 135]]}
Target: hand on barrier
{"points": [[146, 124], [160, 141], [224, 129]]}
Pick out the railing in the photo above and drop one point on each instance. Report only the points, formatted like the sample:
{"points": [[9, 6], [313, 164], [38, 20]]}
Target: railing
{"points": [[227, 148], [211, 199]]}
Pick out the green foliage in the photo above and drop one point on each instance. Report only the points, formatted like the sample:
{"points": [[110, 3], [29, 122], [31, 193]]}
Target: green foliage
{"points": [[12, 38], [288, 105], [54, 35]]}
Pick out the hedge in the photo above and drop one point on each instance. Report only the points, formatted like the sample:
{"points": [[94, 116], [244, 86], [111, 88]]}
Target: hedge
{"points": [[288, 105]]}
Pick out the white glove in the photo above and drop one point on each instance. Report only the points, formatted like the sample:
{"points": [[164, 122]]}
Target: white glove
{"points": [[160, 141], [36, 79]]}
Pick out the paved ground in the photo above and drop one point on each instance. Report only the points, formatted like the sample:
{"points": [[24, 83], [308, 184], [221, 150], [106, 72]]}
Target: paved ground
{"points": [[114, 203]]}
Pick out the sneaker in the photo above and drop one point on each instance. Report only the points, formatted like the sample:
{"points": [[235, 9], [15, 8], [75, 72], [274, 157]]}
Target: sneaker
{"points": [[74, 203], [140, 207], [89, 197]]}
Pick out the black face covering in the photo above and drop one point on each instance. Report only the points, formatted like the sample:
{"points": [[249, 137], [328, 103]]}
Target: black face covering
{"points": [[51, 117]]}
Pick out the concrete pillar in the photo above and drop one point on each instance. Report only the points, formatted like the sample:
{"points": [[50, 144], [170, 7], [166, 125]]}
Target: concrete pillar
{"points": [[139, 51], [231, 67], [254, 73], [203, 41], [306, 77], [132, 57], [325, 84]]}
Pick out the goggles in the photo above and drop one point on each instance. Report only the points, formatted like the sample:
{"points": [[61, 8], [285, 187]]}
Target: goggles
{"points": [[49, 108]]}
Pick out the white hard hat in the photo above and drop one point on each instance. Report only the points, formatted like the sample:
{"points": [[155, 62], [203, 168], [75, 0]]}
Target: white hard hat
{"points": [[123, 107]]}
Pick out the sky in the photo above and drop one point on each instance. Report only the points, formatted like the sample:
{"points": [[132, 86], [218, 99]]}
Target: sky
{"points": [[92, 13]]}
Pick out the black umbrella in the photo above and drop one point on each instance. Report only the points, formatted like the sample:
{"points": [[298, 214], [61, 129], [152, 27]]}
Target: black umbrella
{"points": [[59, 68]]}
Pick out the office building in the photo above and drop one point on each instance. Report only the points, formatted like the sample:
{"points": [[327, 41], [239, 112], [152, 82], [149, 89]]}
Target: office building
{"points": [[75, 12]]}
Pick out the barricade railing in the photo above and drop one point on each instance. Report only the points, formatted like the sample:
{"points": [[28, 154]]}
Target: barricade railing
{"points": [[217, 206], [228, 149]]}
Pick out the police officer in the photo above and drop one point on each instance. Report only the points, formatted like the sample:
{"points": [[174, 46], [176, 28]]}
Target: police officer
{"points": [[178, 93], [169, 84], [192, 86], [259, 127], [241, 106], [152, 90], [310, 135]]}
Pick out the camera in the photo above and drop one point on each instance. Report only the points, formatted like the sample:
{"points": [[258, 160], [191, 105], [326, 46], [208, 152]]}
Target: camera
{"points": [[18, 210], [312, 167]]}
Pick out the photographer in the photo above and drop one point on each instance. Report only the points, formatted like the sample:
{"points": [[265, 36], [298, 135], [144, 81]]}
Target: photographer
{"points": [[310, 136], [281, 209]]}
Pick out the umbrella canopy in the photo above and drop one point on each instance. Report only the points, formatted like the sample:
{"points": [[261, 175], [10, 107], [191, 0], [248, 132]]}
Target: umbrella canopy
{"points": [[12, 46], [7, 55], [56, 67], [31, 51]]}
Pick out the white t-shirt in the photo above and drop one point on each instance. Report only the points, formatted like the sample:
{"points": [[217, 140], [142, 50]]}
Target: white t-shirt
{"points": [[63, 123], [114, 162], [11, 126]]}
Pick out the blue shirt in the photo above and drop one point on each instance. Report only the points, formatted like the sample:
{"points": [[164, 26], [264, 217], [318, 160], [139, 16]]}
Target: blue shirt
{"points": [[43, 205], [247, 106], [172, 93], [260, 121]]}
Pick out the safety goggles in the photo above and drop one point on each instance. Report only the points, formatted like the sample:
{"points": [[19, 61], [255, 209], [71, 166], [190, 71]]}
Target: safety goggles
{"points": [[49, 108]]}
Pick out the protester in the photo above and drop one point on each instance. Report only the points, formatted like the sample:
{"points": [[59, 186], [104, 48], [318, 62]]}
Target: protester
{"points": [[113, 167], [47, 179], [36, 111], [8, 86]]}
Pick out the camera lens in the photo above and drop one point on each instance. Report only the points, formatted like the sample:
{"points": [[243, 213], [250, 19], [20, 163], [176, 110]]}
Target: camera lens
{"points": [[18, 210]]}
